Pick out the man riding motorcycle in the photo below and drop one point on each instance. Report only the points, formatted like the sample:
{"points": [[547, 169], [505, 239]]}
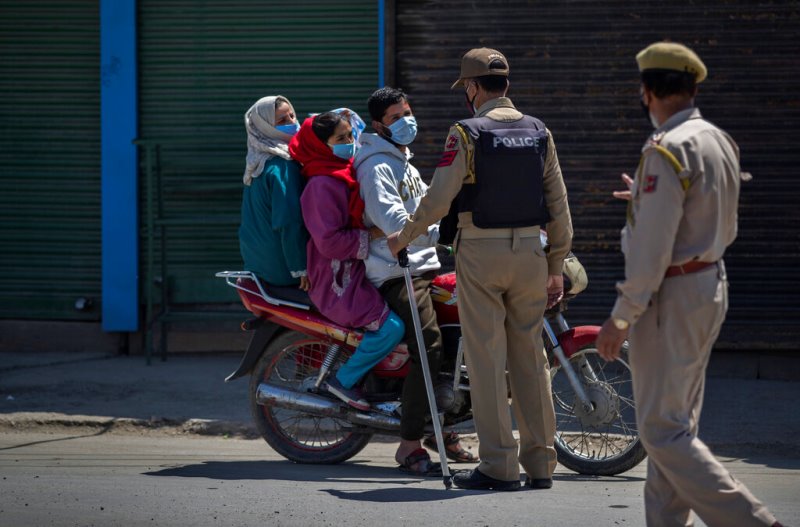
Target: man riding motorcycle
{"points": [[391, 188]]}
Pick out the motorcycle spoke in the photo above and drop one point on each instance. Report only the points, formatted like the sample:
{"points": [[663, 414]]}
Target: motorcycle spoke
{"points": [[586, 444], [328, 436], [576, 439], [318, 433], [316, 436], [627, 430], [291, 425], [618, 385], [628, 401], [610, 445]]}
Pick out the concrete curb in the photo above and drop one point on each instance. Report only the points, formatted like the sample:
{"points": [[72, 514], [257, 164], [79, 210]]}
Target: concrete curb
{"points": [[31, 421], [97, 425]]}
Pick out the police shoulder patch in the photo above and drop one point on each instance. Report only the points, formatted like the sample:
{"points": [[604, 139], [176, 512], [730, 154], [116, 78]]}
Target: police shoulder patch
{"points": [[448, 156], [650, 183]]}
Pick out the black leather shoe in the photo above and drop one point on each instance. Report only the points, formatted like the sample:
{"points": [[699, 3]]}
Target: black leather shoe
{"points": [[538, 483], [476, 480]]}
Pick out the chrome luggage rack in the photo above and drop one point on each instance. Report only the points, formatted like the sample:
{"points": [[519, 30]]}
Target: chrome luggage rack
{"points": [[232, 278]]}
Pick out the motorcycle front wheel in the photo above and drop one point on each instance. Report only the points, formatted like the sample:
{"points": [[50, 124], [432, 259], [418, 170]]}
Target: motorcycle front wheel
{"points": [[292, 360], [605, 440]]}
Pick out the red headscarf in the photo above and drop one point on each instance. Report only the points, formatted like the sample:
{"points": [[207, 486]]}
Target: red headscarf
{"points": [[317, 159]]}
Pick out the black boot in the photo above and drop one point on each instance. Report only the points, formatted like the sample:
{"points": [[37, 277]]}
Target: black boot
{"points": [[476, 480], [538, 483]]}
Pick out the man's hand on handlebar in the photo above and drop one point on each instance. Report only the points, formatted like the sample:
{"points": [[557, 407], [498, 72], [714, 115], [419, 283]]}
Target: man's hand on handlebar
{"points": [[555, 289]]}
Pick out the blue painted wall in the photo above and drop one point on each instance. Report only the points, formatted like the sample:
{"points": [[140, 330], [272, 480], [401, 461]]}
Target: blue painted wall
{"points": [[381, 43], [118, 118]]}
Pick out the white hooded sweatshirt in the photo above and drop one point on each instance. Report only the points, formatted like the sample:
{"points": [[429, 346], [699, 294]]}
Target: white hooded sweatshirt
{"points": [[392, 189]]}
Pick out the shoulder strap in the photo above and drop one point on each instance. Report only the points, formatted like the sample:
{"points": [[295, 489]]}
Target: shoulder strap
{"points": [[676, 165]]}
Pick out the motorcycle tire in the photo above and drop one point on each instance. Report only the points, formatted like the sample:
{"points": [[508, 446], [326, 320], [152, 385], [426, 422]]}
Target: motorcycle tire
{"points": [[604, 441], [292, 359]]}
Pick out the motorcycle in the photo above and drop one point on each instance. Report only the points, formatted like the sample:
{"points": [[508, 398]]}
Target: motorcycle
{"points": [[294, 348]]}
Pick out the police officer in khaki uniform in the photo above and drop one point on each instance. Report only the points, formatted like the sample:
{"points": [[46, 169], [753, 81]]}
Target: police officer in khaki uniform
{"points": [[682, 215], [502, 169]]}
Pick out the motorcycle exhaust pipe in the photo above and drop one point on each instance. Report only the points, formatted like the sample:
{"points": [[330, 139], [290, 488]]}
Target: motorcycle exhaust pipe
{"points": [[280, 397]]}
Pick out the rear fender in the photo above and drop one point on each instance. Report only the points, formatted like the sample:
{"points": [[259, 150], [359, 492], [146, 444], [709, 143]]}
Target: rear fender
{"points": [[262, 336], [576, 338]]}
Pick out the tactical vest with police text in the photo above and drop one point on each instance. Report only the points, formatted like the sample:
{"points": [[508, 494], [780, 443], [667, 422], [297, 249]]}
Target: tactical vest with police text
{"points": [[508, 162]]}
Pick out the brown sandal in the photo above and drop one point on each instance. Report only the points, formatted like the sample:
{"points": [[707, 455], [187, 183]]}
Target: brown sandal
{"points": [[421, 456], [450, 439]]}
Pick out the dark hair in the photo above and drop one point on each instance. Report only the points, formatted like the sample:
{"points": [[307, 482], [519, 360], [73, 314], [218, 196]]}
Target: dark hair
{"points": [[381, 99], [669, 82], [324, 125], [493, 83]]}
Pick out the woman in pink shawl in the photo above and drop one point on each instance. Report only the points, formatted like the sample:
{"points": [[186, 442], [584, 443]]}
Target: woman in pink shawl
{"points": [[332, 211]]}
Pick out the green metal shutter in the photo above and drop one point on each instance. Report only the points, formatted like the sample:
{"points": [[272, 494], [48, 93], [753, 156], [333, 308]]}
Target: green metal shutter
{"points": [[49, 158], [201, 66]]}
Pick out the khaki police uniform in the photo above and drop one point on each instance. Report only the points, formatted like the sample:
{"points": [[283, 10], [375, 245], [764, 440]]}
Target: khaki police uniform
{"points": [[682, 216], [502, 276]]}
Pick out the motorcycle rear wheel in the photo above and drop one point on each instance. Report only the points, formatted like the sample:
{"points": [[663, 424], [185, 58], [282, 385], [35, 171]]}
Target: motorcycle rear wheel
{"points": [[292, 360], [604, 442]]}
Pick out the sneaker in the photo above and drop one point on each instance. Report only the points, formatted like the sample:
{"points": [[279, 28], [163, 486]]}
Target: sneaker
{"points": [[476, 480], [538, 483], [352, 396]]}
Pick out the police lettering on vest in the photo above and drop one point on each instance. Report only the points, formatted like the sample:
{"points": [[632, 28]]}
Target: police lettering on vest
{"points": [[509, 162], [516, 142]]}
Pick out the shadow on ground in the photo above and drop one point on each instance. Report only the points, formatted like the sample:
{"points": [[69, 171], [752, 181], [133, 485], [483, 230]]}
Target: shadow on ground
{"points": [[350, 472]]}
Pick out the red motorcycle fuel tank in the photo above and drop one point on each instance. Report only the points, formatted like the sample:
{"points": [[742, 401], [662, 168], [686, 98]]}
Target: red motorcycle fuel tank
{"points": [[444, 294]]}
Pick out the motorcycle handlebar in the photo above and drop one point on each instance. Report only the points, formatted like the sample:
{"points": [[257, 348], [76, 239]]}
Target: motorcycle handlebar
{"points": [[402, 257]]}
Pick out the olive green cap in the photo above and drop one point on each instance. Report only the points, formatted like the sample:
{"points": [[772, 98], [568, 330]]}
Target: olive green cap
{"points": [[476, 63], [671, 56]]}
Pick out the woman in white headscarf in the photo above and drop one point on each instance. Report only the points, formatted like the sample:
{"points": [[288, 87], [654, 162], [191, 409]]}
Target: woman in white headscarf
{"points": [[272, 238]]}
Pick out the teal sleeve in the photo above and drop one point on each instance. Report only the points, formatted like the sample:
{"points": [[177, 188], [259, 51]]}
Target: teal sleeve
{"points": [[286, 216]]}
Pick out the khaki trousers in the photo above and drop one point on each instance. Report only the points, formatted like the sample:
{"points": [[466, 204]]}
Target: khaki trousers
{"points": [[670, 347], [501, 301]]}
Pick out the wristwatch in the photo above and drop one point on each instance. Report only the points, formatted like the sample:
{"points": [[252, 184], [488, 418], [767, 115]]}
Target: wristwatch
{"points": [[620, 323]]}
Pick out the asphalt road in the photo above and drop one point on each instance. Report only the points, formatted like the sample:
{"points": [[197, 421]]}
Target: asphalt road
{"points": [[84, 477]]}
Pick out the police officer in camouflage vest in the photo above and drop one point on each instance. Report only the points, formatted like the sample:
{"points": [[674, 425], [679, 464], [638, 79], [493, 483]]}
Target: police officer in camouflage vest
{"points": [[681, 217], [500, 171]]}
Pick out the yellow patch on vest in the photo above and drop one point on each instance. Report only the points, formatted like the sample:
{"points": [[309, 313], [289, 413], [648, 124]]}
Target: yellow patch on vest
{"points": [[470, 152]]}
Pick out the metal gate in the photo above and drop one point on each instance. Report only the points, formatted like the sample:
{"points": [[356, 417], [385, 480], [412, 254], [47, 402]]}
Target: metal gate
{"points": [[201, 65], [49, 160], [572, 65]]}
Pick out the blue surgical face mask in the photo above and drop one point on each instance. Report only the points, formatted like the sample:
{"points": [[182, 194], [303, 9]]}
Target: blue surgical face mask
{"points": [[404, 130], [345, 150], [289, 129]]}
